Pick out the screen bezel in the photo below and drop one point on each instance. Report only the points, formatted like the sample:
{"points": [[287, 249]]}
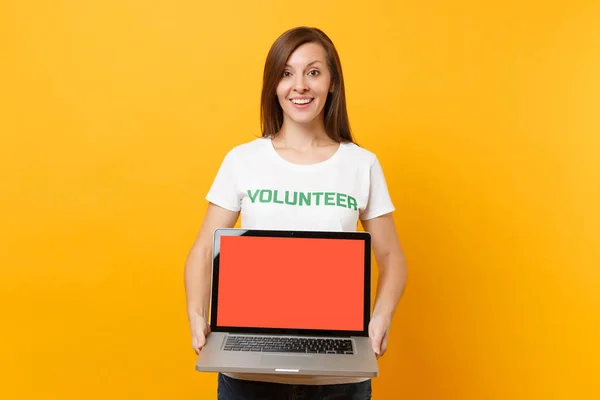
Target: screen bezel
{"points": [[365, 237]]}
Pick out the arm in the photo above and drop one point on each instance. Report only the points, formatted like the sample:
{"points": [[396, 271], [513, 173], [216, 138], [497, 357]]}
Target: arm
{"points": [[392, 277], [198, 269]]}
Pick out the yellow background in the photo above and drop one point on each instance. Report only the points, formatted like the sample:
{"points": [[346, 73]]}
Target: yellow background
{"points": [[115, 115]]}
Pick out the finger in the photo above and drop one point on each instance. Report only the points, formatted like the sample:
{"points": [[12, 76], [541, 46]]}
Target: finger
{"points": [[201, 341], [376, 342], [195, 345], [384, 343]]}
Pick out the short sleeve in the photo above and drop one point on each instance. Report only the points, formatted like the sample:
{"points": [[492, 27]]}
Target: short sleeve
{"points": [[223, 191], [379, 201]]}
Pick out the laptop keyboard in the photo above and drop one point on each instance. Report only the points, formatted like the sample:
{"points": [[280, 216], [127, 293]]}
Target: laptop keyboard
{"points": [[288, 345]]}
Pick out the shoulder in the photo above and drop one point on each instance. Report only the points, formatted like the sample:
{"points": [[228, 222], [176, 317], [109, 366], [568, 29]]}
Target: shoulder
{"points": [[251, 146], [247, 149], [360, 154]]}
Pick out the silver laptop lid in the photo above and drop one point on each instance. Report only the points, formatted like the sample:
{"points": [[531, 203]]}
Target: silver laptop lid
{"points": [[291, 282]]}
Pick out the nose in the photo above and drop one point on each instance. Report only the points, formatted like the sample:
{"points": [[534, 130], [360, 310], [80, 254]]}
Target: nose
{"points": [[300, 83]]}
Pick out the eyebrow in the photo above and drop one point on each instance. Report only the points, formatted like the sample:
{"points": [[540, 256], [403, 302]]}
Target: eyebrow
{"points": [[309, 64]]}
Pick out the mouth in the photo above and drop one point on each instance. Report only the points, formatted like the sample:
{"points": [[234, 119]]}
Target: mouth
{"points": [[302, 102]]}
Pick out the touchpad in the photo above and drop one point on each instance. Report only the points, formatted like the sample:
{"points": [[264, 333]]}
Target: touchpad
{"points": [[286, 362]]}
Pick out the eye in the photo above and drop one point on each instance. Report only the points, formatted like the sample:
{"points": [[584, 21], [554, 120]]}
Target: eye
{"points": [[285, 74], [313, 72]]}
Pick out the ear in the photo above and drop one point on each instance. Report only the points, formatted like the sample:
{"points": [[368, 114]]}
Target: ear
{"points": [[331, 88]]}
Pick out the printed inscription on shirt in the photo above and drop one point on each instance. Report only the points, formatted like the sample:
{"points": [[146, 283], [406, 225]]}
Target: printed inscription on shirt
{"points": [[302, 198]]}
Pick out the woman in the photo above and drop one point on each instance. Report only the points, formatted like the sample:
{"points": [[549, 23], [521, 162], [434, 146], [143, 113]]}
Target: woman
{"points": [[306, 147]]}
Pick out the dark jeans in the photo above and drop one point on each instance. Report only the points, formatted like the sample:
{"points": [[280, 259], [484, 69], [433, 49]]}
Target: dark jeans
{"points": [[235, 389]]}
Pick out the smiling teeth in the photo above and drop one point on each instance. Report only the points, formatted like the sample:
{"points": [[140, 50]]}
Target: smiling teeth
{"points": [[305, 101]]}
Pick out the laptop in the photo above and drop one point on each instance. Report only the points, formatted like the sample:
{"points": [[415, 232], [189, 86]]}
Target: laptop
{"points": [[290, 302]]}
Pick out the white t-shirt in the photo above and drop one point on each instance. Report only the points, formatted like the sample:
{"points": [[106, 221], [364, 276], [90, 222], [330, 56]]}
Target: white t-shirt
{"points": [[273, 193]]}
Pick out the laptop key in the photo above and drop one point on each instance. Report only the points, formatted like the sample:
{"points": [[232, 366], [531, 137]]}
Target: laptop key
{"points": [[272, 350], [282, 350]]}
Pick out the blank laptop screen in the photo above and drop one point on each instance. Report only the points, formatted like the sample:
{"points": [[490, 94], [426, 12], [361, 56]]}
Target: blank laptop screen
{"points": [[295, 283]]}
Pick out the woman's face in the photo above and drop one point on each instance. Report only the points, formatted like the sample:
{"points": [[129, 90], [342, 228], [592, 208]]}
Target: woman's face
{"points": [[305, 84]]}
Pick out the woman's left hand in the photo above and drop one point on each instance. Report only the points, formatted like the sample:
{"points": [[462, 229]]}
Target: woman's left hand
{"points": [[379, 328]]}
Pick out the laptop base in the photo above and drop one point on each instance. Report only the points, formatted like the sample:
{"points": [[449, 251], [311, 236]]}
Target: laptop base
{"points": [[362, 363]]}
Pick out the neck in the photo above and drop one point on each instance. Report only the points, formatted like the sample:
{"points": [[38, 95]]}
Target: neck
{"points": [[302, 136]]}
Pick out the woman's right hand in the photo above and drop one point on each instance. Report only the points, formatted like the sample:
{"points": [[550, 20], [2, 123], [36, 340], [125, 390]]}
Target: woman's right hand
{"points": [[200, 330]]}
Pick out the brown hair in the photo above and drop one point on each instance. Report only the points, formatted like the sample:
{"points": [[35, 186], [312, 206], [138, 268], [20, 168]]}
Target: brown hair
{"points": [[336, 121]]}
